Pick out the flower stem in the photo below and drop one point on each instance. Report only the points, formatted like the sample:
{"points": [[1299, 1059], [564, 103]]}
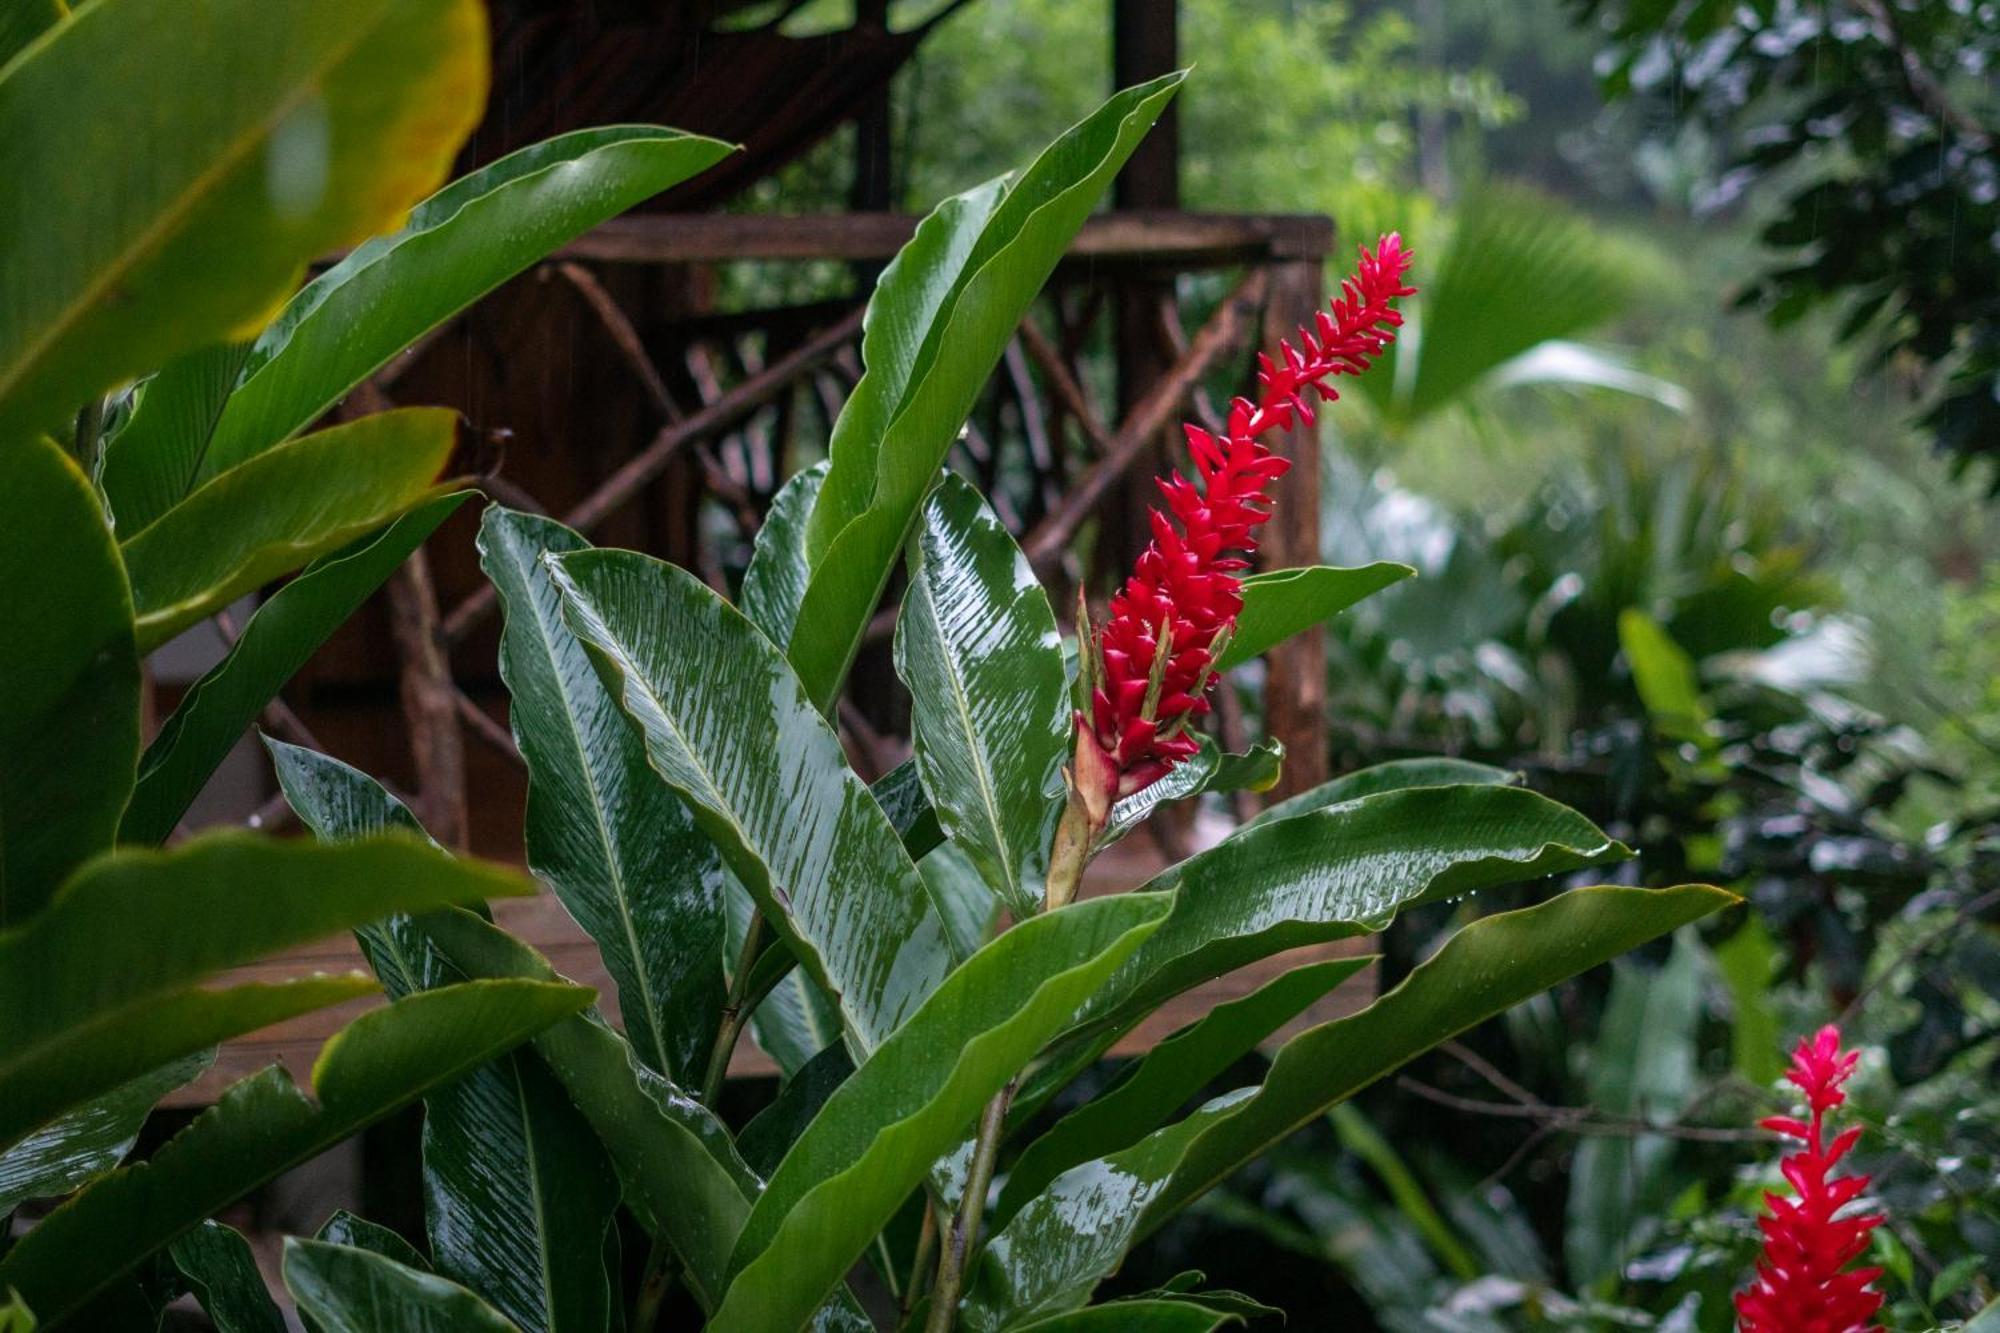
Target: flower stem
{"points": [[971, 1208], [1069, 853]]}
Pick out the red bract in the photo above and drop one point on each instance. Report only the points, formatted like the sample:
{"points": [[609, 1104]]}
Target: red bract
{"points": [[1148, 672], [1800, 1287]]}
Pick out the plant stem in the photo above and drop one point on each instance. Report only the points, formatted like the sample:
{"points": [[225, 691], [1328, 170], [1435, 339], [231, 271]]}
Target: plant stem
{"points": [[971, 1208], [920, 1261], [657, 1281], [735, 1012]]}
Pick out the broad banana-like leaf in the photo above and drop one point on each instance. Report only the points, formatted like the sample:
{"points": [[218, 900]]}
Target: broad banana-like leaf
{"points": [[1395, 775], [855, 548], [900, 793], [151, 463], [1150, 1089], [347, 1290], [459, 244], [218, 1265], [775, 580], [518, 1197], [21, 24], [603, 830], [910, 1101], [102, 987], [287, 507], [264, 1124], [1285, 602], [66, 1152], [1052, 1254], [730, 728], [69, 677], [1344, 871], [773, 1130], [276, 641], [1207, 769], [344, 1228], [977, 645], [273, 131]]}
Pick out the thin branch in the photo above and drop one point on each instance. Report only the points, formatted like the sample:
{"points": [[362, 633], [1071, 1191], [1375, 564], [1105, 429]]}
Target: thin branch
{"points": [[1581, 1119]]}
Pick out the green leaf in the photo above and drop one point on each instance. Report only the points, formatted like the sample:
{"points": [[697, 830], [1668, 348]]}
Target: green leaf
{"points": [[101, 987], [1343, 871], [775, 580], [1642, 1067], [151, 463], [276, 641], [1051, 1251], [732, 731], [217, 1263], [1155, 1315], [682, 1177], [459, 244], [344, 1228], [1664, 675], [20, 24], [346, 1290], [964, 898], [289, 506], [1359, 1136], [69, 680], [1395, 775], [797, 1020], [269, 134], [265, 1125], [15, 1317], [773, 1130], [893, 467], [63, 1154], [1208, 769], [977, 645], [1152, 1087], [1284, 602], [613, 841], [910, 1102], [900, 793], [1747, 961]]}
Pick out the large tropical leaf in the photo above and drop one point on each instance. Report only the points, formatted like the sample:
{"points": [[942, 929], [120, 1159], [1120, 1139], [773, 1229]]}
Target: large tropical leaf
{"points": [[977, 645], [264, 1125], [272, 131], [909, 1103], [1395, 775], [1003, 268], [343, 1289], [218, 1264], [94, 1137], [518, 1197], [272, 515], [1058, 1246], [603, 830], [732, 731], [1285, 602], [774, 582], [151, 462], [276, 641], [102, 986], [1151, 1088], [69, 678], [1343, 871], [459, 244]]}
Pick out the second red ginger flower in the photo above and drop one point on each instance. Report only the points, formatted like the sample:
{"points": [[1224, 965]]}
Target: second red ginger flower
{"points": [[1147, 672]]}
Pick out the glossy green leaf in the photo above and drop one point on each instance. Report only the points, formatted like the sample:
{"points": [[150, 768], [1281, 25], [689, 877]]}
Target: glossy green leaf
{"points": [[965, 900], [900, 793], [150, 465], [774, 582], [682, 1175], [287, 507], [1051, 1252], [1285, 602], [1002, 271], [1344, 871], [1151, 1088], [264, 1125], [314, 124], [20, 24], [102, 987], [344, 1228], [773, 1130], [69, 679], [1665, 677], [731, 730], [459, 244], [1208, 769], [618, 847], [797, 1020], [217, 1263], [276, 641], [911, 1100], [977, 646], [346, 1290], [1395, 775], [63, 1154], [518, 1197]]}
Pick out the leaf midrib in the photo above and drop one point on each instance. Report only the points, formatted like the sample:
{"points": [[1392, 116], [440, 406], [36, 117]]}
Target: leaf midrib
{"points": [[961, 700]]}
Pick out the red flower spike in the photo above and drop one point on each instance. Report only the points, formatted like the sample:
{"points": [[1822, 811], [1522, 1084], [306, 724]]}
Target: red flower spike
{"points": [[1184, 586], [1800, 1287]]}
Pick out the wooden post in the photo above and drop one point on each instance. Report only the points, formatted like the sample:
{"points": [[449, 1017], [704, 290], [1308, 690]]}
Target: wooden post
{"points": [[1295, 683]]}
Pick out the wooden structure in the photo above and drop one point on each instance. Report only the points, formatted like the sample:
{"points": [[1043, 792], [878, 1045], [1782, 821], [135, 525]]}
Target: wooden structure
{"points": [[644, 420]]}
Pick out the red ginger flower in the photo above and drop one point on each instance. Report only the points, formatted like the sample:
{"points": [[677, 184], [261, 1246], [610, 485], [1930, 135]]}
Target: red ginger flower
{"points": [[1148, 673], [1800, 1287]]}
